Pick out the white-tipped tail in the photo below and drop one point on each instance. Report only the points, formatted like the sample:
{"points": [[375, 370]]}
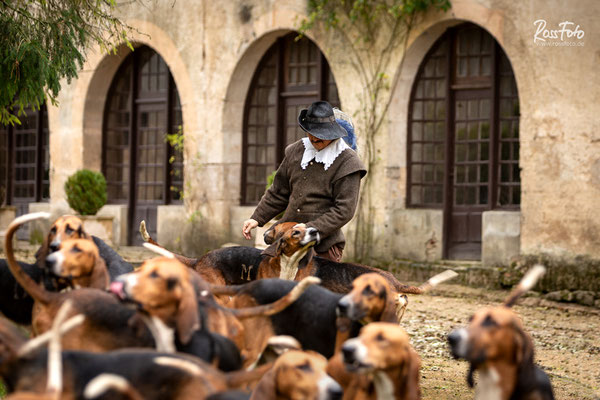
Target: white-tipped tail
{"points": [[159, 250], [303, 285], [531, 277], [103, 383], [29, 217], [144, 231], [442, 277], [44, 338], [180, 364]]}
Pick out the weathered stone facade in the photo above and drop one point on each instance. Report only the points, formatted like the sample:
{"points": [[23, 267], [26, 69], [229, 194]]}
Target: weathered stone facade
{"points": [[212, 50]]}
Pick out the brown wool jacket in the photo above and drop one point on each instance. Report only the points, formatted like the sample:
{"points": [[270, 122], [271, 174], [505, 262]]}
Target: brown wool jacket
{"points": [[323, 199]]}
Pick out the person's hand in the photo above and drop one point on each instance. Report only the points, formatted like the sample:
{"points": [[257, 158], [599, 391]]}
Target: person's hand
{"points": [[249, 224]]}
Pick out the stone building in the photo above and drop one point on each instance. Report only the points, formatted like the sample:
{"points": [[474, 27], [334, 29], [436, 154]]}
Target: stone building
{"points": [[490, 149]]}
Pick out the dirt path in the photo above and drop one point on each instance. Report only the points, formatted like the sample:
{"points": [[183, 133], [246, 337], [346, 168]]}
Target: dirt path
{"points": [[566, 340]]}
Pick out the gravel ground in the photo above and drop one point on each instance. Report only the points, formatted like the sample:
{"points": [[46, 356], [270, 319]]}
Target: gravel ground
{"points": [[566, 340]]}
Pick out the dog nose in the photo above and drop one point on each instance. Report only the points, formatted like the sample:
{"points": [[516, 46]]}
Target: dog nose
{"points": [[454, 338], [348, 353], [335, 391], [54, 246], [342, 308]]}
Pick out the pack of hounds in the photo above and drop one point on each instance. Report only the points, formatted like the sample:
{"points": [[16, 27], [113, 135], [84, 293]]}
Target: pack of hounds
{"points": [[236, 323]]}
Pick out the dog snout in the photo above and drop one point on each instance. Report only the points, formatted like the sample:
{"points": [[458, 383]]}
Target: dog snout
{"points": [[314, 234], [342, 307], [457, 340], [54, 246], [348, 353], [333, 389]]}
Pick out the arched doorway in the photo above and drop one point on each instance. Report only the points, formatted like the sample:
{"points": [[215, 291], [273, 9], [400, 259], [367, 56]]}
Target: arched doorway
{"points": [[25, 163], [463, 136], [291, 75], [141, 168]]}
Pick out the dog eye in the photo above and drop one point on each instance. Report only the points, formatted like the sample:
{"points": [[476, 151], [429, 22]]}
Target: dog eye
{"points": [[53, 230], [367, 291], [379, 337], [305, 367], [489, 322], [295, 233], [76, 249], [68, 230], [154, 274]]}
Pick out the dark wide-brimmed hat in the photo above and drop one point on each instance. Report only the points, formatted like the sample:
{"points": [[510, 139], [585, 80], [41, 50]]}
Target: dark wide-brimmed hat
{"points": [[318, 120]]}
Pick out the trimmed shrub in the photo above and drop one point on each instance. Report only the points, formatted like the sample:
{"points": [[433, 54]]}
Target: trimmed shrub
{"points": [[86, 191]]}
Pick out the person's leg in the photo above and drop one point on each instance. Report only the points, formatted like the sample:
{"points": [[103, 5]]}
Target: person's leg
{"points": [[334, 253]]}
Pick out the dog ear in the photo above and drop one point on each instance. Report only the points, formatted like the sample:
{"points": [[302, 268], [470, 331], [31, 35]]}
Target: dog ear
{"points": [[270, 234], [42, 253], [523, 346], [81, 233], [187, 320], [275, 249], [410, 375], [265, 389], [389, 313], [100, 272]]}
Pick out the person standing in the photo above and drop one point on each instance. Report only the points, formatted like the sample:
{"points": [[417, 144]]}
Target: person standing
{"points": [[317, 183]]}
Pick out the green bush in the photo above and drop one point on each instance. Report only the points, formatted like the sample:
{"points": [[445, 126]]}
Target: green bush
{"points": [[86, 191]]}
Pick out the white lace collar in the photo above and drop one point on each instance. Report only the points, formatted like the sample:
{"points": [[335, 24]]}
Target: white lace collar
{"points": [[326, 156]]}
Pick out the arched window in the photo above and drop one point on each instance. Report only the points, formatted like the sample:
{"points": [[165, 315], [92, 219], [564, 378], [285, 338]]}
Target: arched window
{"points": [[463, 136], [142, 170], [290, 76], [25, 162]]}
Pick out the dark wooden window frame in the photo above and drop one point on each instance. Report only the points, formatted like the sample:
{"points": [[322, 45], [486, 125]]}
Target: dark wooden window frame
{"points": [[134, 101], [39, 179], [494, 162], [319, 91]]}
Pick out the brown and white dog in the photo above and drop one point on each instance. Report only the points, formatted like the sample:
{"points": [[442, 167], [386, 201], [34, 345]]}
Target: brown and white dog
{"points": [[107, 324], [378, 364], [183, 311], [298, 375], [78, 262], [290, 256], [501, 352]]}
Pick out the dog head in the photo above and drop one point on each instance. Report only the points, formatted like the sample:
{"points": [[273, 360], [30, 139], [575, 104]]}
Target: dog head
{"points": [[298, 375], [64, 228], [494, 335], [289, 237], [162, 288], [369, 300], [384, 346], [79, 261]]}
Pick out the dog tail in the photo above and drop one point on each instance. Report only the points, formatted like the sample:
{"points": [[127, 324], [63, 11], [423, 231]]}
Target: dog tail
{"points": [[276, 306], [430, 284], [190, 262], [37, 292], [104, 382], [529, 280], [237, 379], [437, 279]]}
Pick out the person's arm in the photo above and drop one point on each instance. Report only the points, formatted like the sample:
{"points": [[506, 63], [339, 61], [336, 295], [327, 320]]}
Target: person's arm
{"points": [[345, 193], [276, 198]]}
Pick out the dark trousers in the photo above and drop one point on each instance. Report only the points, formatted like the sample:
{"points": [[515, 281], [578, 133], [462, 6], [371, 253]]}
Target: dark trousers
{"points": [[334, 253]]}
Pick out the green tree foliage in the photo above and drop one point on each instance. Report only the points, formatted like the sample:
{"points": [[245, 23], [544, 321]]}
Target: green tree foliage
{"points": [[86, 191], [44, 41], [371, 33]]}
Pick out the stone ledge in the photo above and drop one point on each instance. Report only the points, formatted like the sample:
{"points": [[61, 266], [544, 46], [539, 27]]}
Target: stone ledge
{"points": [[574, 281]]}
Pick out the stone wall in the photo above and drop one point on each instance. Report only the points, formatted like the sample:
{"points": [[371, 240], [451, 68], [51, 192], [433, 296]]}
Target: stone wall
{"points": [[213, 48]]}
